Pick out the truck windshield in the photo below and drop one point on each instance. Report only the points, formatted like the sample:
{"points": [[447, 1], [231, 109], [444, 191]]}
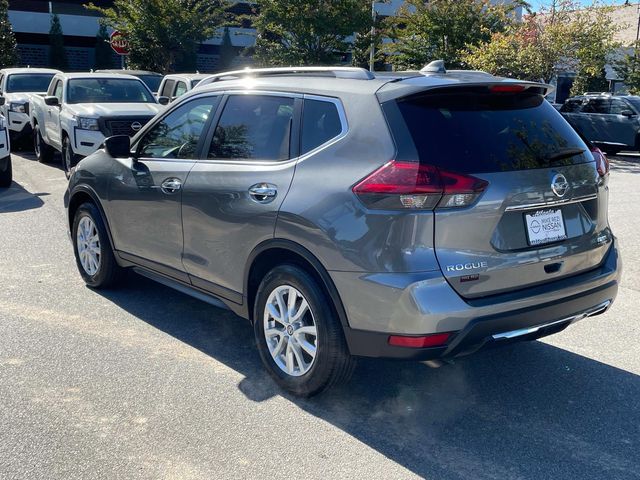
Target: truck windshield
{"points": [[28, 82], [107, 90]]}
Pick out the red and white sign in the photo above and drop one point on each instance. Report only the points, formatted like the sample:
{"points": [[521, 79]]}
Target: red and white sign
{"points": [[119, 43]]}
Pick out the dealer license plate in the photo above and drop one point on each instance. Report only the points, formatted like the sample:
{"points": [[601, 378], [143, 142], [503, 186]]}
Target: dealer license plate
{"points": [[545, 226]]}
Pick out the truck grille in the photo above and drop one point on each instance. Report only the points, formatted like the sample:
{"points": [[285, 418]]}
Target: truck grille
{"points": [[128, 126]]}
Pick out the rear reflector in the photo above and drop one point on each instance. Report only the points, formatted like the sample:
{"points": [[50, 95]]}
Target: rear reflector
{"points": [[400, 184], [435, 340], [602, 162], [507, 88]]}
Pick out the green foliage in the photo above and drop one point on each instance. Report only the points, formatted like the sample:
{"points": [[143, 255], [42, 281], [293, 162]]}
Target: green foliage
{"points": [[57, 55], [8, 51], [444, 29], [562, 37], [307, 32], [628, 69], [227, 51], [104, 54], [164, 34], [361, 48]]}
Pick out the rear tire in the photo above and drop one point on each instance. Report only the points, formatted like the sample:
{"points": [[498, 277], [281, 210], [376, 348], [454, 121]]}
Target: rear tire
{"points": [[92, 248], [6, 173], [44, 153], [303, 349]]}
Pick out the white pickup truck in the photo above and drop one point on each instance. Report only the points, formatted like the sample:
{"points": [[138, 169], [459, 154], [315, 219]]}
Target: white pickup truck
{"points": [[80, 110], [16, 86], [5, 152]]}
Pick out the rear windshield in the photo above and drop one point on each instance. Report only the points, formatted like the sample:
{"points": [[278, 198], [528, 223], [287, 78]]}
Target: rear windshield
{"points": [[474, 132], [152, 81], [28, 82], [108, 90]]}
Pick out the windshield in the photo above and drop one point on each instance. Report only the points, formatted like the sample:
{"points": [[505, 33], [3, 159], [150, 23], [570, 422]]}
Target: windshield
{"points": [[635, 101], [473, 132], [152, 81], [28, 82], [107, 90]]}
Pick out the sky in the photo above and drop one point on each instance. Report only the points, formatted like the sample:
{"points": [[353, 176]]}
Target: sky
{"points": [[537, 4]]}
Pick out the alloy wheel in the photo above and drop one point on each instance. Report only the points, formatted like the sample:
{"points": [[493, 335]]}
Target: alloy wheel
{"points": [[290, 330], [88, 245]]}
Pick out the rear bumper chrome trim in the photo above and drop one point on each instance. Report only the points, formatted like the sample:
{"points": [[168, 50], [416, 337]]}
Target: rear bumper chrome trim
{"points": [[574, 318], [553, 203]]}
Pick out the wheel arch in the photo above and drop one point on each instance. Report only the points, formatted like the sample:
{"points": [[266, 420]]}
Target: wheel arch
{"points": [[82, 195], [275, 252]]}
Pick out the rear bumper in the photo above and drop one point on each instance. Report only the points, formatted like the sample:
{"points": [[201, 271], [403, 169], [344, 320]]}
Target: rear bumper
{"points": [[504, 319]]}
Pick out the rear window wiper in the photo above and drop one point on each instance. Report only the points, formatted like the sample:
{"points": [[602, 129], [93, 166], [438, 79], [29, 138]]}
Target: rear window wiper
{"points": [[565, 153]]}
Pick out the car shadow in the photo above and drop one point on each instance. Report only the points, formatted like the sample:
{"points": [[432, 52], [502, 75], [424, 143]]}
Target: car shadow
{"points": [[17, 199], [56, 161], [526, 411]]}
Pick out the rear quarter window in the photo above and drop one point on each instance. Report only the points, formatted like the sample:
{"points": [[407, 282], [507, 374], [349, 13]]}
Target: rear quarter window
{"points": [[471, 132], [320, 123]]}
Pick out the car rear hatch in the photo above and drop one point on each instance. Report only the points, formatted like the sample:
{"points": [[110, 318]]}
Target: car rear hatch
{"points": [[537, 207]]}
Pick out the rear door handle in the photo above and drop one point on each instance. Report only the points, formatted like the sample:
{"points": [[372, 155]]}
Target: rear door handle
{"points": [[263, 192], [171, 186]]}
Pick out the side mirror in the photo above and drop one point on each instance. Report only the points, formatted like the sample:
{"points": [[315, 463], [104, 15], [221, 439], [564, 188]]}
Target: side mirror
{"points": [[118, 146], [2, 100], [163, 100], [51, 101], [627, 113]]}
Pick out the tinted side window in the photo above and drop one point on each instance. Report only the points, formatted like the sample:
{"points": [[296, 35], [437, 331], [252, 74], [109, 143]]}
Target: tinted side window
{"points": [[618, 106], [597, 105], [177, 134], [320, 123], [181, 89], [254, 127], [167, 88], [572, 106]]}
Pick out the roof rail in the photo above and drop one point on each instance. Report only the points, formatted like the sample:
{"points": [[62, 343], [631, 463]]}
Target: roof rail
{"points": [[597, 93], [354, 73]]}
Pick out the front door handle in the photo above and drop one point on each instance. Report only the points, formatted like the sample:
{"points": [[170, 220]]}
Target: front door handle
{"points": [[263, 192], [171, 186]]}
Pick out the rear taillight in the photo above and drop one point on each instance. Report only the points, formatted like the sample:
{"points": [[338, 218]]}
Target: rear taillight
{"points": [[411, 185], [602, 162]]}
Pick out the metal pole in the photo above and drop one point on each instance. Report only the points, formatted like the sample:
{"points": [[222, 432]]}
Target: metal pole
{"points": [[372, 50]]}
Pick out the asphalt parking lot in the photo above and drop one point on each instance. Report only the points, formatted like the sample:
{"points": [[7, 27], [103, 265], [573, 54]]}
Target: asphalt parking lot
{"points": [[145, 382]]}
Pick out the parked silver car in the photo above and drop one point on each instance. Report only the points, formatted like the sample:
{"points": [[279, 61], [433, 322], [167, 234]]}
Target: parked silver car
{"points": [[610, 121], [345, 214]]}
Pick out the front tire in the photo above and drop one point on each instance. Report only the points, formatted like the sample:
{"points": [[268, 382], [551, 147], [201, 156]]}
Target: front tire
{"points": [[6, 173], [69, 159], [44, 153], [92, 248], [298, 333]]}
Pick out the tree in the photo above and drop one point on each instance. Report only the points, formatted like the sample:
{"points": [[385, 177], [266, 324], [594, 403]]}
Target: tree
{"points": [[444, 29], [227, 51], [628, 69], [361, 48], [562, 37], [8, 49], [57, 55], [104, 55], [308, 32], [164, 34]]}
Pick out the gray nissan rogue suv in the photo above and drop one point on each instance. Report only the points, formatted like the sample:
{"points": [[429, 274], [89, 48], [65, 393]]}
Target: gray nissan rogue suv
{"points": [[416, 216]]}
